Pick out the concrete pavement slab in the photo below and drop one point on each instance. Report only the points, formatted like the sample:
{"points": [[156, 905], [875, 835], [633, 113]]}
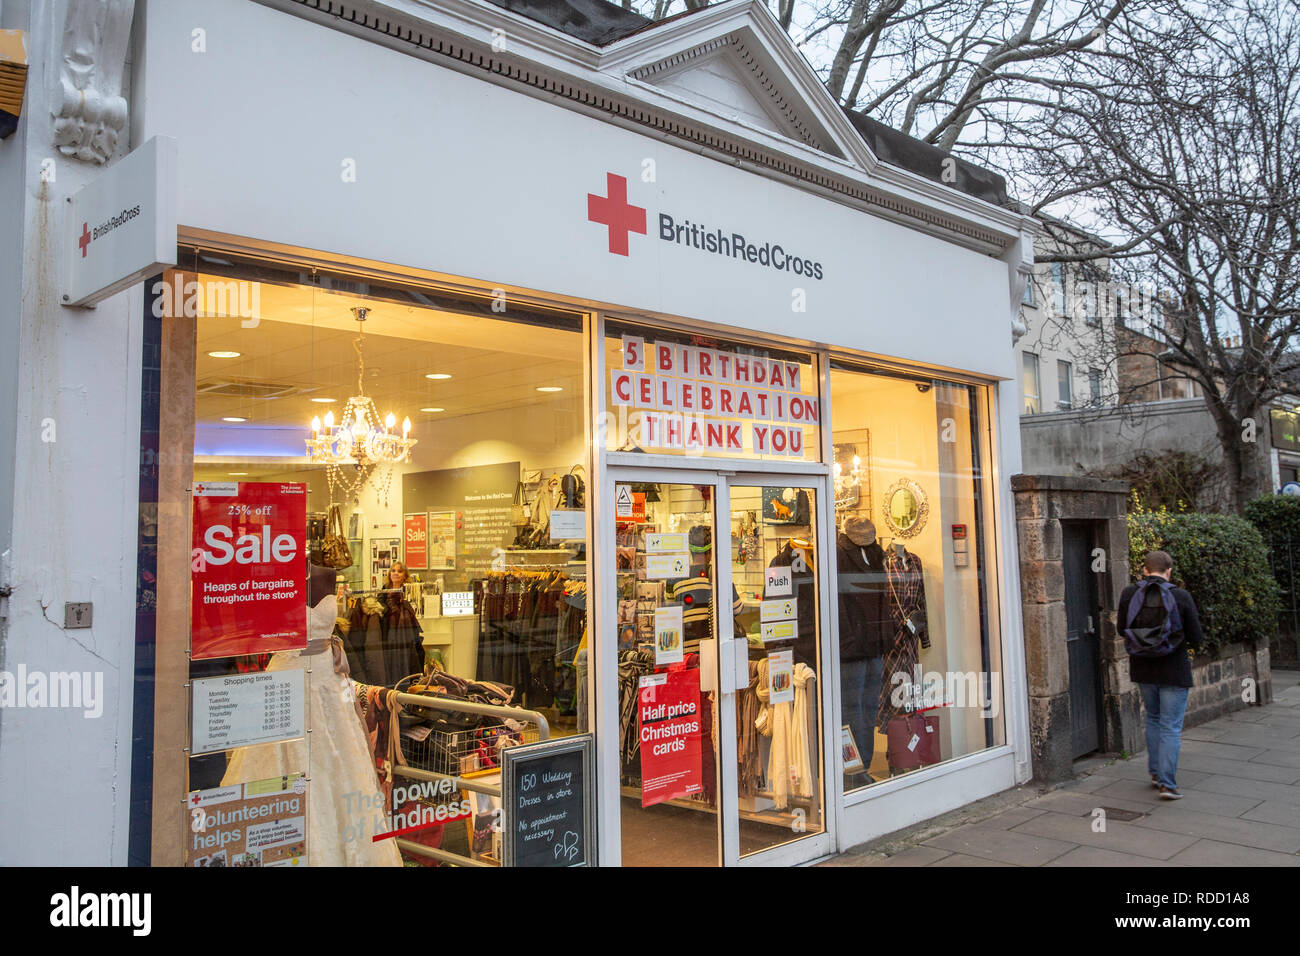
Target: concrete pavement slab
{"points": [[961, 859], [1083, 804], [1271, 811], [1245, 832], [1008, 846], [1097, 856], [1235, 768], [1205, 801], [1209, 748], [1009, 818], [1262, 789], [1125, 837], [1214, 853]]}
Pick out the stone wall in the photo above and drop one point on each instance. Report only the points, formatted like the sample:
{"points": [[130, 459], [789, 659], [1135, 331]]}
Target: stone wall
{"points": [[1217, 685], [1042, 503]]}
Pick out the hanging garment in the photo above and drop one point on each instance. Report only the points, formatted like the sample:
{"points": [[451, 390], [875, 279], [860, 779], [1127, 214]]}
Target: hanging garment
{"points": [[801, 732], [866, 621], [403, 649], [750, 775], [774, 721], [907, 606], [342, 773], [365, 643]]}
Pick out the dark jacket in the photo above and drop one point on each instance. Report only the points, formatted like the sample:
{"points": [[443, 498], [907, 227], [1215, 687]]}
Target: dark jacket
{"points": [[1174, 669], [805, 591], [866, 625]]}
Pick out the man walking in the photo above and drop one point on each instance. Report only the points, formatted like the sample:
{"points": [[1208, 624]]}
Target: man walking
{"points": [[1159, 623]]}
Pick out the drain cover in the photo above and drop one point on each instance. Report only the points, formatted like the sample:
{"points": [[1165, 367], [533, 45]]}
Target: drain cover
{"points": [[1123, 816]]}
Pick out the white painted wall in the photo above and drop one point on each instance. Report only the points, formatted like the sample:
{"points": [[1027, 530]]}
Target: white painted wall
{"points": [[459, 176], [64, 778]]}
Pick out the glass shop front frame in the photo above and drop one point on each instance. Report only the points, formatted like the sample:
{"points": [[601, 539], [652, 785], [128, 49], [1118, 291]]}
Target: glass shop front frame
{"points": [[791, 594]]}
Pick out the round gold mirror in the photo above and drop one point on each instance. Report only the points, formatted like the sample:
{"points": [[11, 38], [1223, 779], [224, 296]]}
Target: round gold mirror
{"points": [[905, 508]]}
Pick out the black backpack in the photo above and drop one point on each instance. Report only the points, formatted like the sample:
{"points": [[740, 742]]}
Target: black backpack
{"points": [[1157, 640]]}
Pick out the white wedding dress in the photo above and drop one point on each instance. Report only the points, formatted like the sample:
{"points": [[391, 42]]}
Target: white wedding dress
{"points": [[339, 829]]}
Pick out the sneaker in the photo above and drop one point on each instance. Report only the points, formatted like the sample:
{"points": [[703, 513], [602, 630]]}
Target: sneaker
{"points": [[1155, 782], [1169, 794]]}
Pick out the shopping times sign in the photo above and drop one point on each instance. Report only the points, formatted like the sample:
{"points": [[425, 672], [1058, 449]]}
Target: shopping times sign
{"points": [[622, 219]]}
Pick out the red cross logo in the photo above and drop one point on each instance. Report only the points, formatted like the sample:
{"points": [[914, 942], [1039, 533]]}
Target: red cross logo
{"points": [[200, 489], [616, 213], [84, 241], [195, 798]]}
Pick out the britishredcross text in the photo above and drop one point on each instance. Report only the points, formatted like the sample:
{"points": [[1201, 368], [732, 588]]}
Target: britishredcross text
{"points": [[735, 245]]}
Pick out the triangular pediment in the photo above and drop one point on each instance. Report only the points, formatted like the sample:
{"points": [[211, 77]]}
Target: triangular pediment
{"points": [[733, 61]]}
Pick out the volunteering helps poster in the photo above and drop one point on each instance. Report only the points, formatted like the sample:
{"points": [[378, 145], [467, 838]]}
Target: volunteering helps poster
{"points": [[668, 722], [248, 568]]}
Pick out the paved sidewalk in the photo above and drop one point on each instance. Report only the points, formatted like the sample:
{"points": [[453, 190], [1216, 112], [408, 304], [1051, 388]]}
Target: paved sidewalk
{"points": [[1240, 776]]}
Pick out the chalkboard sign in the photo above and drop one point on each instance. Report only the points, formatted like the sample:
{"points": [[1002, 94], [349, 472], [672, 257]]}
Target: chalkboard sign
{"points": [[548, 798]]}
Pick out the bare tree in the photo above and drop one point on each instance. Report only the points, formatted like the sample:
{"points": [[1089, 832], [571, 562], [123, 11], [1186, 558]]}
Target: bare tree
{"points": [[1187, 146]]}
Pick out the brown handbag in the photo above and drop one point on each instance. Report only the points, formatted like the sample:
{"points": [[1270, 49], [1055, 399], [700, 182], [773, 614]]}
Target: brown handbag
{"points": [[335, 552]]}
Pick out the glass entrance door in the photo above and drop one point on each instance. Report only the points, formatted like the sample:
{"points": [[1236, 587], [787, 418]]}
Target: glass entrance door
{"points": [[668, 693], [776, 563], [721, 752]]}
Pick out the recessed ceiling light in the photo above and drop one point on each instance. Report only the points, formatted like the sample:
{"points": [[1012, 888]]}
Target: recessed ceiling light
{"points": [[232, 418], [224, 354], [437, 376], [549, 388], [236, 473], [324, 401], [433, 409]]}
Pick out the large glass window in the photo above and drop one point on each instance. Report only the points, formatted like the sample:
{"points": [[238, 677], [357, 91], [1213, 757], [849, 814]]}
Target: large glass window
{"points": [[920, 669], [432, 449]]}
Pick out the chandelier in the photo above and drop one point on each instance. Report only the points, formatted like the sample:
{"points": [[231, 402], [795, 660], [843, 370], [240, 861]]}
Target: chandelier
{"points": [[360, 444]]}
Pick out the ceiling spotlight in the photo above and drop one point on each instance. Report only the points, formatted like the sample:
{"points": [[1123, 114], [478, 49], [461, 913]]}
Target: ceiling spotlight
{"points": [[324, 401], [232, 418], [549, 388], [224, 354], [431, 409], [236, 473], [437, 376]]}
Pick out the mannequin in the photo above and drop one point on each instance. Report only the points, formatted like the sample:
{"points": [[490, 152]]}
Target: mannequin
{"points": [[340, 773], [866, 628]]}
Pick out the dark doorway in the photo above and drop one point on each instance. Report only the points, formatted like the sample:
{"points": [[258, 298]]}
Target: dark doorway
{"points": [[1082, 617]]}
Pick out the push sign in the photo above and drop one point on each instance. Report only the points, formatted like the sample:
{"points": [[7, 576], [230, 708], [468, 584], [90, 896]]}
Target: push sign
{"points": [[779, 583]]}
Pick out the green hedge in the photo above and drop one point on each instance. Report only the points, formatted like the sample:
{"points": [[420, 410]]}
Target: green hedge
{"points": [[1278, 519], [1222, 561]]}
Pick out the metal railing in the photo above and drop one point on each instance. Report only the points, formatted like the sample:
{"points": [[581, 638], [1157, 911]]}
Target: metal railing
{"points": [[452, 705]]}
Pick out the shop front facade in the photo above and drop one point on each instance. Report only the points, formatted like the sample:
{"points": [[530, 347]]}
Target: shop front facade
{"points": [[702, 423]]}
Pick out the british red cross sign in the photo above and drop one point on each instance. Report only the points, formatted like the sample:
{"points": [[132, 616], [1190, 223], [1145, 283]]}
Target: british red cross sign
{"points": [[615, 212]]}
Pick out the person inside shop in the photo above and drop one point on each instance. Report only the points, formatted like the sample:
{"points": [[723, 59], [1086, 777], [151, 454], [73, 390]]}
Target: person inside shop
{"points": [[400, 627]]}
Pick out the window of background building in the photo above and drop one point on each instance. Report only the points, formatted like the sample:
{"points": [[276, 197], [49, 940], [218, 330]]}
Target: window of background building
{"points": [[911, 511], [491, 592], [1064, 385], [1028, 297], [1094, 386], [1029, 383], [1058, 287]]}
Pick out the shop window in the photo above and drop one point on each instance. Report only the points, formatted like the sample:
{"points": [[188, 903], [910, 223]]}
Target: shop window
{"points": [[919, 665], [1064, 385], [675, 393], [433, 448], [1029, 383]]}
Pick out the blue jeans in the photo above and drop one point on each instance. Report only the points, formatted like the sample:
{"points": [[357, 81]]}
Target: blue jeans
{"points": [[1165, 709], [860, 694]]}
